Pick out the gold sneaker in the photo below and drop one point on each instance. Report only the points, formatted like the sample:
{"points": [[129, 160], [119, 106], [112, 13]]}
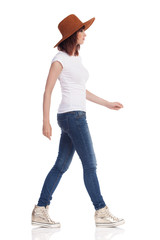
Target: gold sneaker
{"points": [[41, 217], [104, 218]]}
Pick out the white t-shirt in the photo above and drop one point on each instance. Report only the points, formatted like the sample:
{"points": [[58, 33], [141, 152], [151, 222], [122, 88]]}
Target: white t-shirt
{"points": [[73, 78]]}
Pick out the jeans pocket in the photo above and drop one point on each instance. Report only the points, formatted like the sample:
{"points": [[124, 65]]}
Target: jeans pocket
{"points": [[63, 124]]}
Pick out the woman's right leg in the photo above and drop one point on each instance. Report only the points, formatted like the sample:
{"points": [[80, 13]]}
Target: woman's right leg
{"points": [[64, 158]]}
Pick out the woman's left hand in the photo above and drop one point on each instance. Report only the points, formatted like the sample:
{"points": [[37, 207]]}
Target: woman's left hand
{"points": [[114, 105]]}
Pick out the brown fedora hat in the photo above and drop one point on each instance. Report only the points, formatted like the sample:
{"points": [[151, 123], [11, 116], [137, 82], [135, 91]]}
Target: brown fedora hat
{"points": [[70, 25]]}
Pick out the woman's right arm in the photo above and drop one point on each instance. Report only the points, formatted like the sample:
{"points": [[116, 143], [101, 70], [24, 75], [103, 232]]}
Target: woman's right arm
{"points": [[54, 71]]}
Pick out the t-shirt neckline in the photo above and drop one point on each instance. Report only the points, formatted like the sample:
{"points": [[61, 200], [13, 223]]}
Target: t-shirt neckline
{"points": [[68, 54]]}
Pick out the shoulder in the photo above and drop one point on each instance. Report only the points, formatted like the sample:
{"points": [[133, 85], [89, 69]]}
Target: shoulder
{"points": [[59, 56]]}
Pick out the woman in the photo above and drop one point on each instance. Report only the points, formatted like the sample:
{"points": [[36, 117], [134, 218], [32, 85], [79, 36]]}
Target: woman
{"points": [[71, 117]]}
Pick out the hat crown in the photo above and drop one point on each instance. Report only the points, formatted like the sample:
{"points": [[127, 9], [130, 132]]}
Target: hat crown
{"points": [[69, 24]]}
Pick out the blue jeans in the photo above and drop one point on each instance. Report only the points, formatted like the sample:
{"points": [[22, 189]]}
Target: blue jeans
{"points": [[75, 135]]}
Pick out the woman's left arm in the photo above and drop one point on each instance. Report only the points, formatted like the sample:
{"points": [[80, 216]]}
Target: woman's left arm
{"points": [[93, 98]]}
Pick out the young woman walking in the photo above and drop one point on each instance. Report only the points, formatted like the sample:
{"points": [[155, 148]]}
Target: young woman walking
{"points": [[71, 118]]}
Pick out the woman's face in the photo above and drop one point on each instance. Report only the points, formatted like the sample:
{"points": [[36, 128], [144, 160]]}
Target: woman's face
{"points": [[81, 36]]}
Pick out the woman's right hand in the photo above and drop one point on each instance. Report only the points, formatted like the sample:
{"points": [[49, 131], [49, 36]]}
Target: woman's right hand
{"points": [[47, 130]]}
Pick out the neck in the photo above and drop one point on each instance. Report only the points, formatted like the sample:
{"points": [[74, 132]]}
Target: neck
{"points": [[73, 51]]}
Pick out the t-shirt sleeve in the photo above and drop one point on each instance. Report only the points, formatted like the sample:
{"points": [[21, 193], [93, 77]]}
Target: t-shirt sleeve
{"points": [[58, 57]]}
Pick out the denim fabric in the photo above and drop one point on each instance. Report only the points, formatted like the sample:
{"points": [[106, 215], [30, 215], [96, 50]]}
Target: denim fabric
{"points": [[75, 136]]}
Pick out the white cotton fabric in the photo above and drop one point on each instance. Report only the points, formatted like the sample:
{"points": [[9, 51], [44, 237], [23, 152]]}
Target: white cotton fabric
{"points": [[73, 78]]}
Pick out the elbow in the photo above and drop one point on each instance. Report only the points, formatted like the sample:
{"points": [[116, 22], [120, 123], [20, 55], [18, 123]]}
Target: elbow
{"points": [[87, 94], [47, 93]]}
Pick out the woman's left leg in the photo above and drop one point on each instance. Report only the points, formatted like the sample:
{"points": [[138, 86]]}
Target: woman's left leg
{"points": [[81, 139]]}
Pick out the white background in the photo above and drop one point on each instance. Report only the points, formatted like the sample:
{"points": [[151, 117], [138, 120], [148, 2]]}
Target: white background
{"points": [[122, 54]]}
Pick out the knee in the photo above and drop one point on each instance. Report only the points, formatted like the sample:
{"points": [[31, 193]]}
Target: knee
{"points": [[62, 168], [90, 166], [88, 170]]}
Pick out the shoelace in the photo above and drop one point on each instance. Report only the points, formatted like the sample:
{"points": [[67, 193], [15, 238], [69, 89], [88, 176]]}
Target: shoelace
{"points": [[47, 215], [107, 213]]}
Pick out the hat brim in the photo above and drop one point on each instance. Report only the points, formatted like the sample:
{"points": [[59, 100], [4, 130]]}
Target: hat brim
{"points": [[86, 24]]}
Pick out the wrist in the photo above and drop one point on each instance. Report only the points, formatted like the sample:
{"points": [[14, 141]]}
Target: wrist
{"points": [[46, 121], [107, 103]]}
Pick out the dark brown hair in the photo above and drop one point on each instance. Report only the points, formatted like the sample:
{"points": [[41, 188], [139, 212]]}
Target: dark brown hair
{"points": [[70, 43]]}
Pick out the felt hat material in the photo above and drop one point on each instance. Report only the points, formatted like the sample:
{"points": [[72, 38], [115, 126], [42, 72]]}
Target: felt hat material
{"points": [[70, 25]]}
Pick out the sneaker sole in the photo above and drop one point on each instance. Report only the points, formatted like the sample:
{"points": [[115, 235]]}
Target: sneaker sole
{"points": [[110, 224], [56, 225]]}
